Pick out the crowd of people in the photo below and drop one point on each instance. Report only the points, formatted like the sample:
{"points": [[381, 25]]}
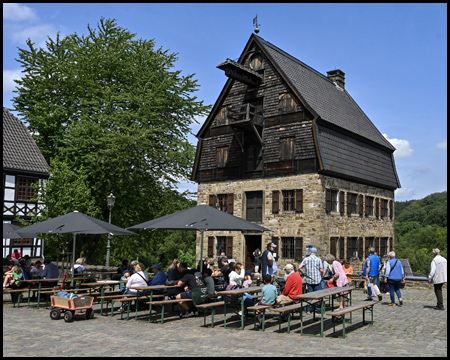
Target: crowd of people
{"points": [[314, 273]]}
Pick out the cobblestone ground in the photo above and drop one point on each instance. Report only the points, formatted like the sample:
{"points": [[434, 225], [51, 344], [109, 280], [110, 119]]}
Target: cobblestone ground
{"points": [[415, 329]]}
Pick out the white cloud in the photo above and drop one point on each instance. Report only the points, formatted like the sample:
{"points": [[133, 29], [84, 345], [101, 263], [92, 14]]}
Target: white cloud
{"points": [[403, 194], [442, 145], [17, 12], [38, 34], [8, 79], [403, 147]]}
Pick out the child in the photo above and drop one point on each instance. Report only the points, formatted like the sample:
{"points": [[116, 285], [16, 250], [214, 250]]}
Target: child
{"points": [[125, 275], [269, 295], [12, 277], [247, 279]]}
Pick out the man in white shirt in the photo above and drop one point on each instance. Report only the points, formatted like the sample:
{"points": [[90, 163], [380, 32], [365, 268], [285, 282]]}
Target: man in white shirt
{"points": [[438, 276]]}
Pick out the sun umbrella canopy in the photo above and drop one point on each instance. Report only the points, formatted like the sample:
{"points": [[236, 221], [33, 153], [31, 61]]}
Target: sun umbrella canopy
{"points": [[201, 217], [9, 231], [74, 223]]}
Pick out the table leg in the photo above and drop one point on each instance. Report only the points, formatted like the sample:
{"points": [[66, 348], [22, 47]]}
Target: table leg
{"points": [[29, 289], [150, 307], [242, 313], [39, 294], [101, 303], [225, 314], [322, 313]]}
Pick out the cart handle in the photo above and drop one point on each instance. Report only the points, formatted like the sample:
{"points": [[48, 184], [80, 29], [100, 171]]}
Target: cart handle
{"points": [[65, 276]]}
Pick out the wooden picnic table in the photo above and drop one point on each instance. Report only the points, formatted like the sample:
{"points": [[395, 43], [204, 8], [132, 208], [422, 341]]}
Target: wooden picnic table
{"points": [[144, 289], [101, 285], [241, 291], [321, 295]]}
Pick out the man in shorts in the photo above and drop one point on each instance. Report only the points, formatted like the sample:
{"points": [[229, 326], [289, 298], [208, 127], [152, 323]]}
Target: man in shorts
{"points": [[189, 282]]}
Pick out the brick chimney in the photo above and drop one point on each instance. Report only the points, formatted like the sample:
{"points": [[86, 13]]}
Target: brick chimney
{"points": [[338, 76]]}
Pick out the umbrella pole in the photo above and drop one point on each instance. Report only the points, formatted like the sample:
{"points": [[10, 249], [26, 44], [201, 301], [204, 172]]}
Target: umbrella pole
{"points": [[201, 253], [73, 259]]}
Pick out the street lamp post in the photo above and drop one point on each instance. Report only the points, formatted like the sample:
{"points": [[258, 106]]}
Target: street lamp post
{"points": [[111, 200]]}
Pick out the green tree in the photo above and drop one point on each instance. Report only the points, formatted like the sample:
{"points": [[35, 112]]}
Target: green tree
{"points": [[109, 113]]}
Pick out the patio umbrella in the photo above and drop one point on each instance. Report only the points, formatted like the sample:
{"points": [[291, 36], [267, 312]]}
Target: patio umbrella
{"points": [[9, 232], [202, 217], [74, 223]]}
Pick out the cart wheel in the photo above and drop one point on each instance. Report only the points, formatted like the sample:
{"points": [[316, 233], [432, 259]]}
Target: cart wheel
{"points": [[55, 314], [68, 316], [90, 313]]}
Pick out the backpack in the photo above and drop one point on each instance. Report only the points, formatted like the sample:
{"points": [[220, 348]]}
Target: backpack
{"points": [[199, 279]]}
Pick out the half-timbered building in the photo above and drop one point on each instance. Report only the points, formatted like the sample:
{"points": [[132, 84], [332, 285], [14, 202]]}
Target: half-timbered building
{"points": [[288, 148], [23, 166]]}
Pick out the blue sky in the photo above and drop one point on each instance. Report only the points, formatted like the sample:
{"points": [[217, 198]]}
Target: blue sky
{"points": [[394, 57]]}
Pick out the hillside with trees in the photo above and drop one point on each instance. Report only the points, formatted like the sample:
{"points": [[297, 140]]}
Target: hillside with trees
{"points": [[420, 226]]}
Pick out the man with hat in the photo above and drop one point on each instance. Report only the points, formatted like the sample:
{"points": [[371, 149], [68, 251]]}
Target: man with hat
{"points": [[293, 285], [159, 277], [313, 273], [268, 263]]}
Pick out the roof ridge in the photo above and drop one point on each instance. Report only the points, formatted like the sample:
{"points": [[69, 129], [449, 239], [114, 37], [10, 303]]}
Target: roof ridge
{"points": [[276, 48]]}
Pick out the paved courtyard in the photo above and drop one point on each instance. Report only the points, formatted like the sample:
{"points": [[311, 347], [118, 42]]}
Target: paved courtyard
{"points": [[415, 329]]}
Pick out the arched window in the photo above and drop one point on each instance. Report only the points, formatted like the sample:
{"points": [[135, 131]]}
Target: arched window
{"points": [[286, 103]]}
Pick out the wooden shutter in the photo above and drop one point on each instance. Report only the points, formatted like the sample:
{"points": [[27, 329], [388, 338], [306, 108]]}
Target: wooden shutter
{"points": [[391, 244], [391, 209], [298, 243], [360, 205], [333, 246], [341, 248], [210, 246], [341, 203], [328, 200], [367, 205], [366, 247], [360, 248], [377, 207], [212, 200], [377, 244], [275, 201], [349, 248], [299, 200], [349, 204], [230, 207], [229, 247]]}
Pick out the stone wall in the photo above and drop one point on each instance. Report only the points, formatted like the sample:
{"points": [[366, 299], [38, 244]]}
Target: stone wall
{"points": [[314, 224]]}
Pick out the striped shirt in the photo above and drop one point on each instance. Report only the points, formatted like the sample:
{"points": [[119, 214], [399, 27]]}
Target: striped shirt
{"points": [[312, 266]]}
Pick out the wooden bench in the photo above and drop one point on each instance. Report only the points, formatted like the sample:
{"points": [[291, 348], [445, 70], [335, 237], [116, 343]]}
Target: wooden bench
{"points": [[290, 309], [340, 313], [263, 308], [360, 282], [163, 303], [15, 291], [212, 306], [127, 298]]}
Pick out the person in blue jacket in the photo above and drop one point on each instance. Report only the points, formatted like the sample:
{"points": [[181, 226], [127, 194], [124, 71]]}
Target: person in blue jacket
{"points": [[371, 272], [394, 277]]}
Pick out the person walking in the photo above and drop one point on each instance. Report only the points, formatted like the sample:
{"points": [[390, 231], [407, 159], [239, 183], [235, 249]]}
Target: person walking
{"points": [[371, 271], [394, 277], [438, 276]]}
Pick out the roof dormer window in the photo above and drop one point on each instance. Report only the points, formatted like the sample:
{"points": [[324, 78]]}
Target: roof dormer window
{"points": [[255, 61]]}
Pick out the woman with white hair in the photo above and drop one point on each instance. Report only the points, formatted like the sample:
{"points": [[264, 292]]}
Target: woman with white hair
{"points": [[394, 277], [338, 277]]}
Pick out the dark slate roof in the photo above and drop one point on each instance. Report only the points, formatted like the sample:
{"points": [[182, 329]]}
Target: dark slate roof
{"points": [[20, 152], [332, 103], [356, 160]]}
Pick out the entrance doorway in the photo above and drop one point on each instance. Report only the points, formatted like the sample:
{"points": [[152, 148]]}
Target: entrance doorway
{"points": [[252, 242]]}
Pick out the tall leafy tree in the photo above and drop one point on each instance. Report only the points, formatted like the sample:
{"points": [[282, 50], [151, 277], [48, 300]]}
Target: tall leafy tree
{"points": [[109, 113]]}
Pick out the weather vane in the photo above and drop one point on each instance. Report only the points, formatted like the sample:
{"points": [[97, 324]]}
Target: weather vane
{"points": [[255, 24]]}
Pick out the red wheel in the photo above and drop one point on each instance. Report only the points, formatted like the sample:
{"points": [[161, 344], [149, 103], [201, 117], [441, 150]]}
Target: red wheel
{"points": [[55, 314]]}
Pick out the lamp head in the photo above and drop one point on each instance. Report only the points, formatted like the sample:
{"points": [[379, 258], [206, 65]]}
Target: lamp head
{"points": [[111, 200]]}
